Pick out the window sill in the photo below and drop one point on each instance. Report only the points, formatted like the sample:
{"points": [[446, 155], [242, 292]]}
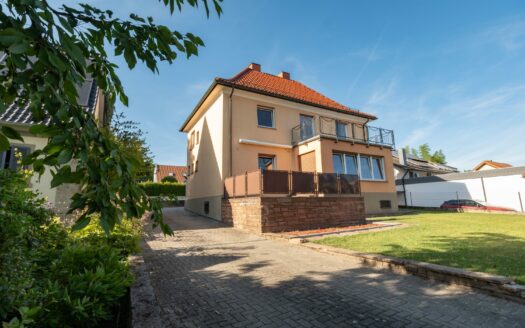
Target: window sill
{"points": [[266, 127], [372, 180]]}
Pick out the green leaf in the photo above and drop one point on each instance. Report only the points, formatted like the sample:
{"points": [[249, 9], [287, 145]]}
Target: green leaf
{"points": [[81, 223], [4, 143], [19, 47], [10, 35], [11, 133], [65, 156]]}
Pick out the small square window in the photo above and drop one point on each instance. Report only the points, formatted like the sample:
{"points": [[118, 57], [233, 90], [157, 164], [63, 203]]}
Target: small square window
{"points": [[266, 162], [265, 117]]}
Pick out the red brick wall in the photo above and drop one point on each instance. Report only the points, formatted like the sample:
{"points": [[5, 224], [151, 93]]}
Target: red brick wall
{"points": [[278, 214]]}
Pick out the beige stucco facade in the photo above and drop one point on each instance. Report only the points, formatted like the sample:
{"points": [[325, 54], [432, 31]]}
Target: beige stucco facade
{"points": [[230, 142]]}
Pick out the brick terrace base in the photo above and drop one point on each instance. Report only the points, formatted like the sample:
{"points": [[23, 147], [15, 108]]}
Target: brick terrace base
{"points": [[280, 214]]}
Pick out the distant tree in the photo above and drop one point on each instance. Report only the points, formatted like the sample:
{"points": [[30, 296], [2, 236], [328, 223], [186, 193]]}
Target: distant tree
{"points": [[424, 152], [169, 178], [131, 141]]}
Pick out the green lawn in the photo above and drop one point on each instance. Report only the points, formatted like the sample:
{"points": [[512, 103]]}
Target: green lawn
{"points": [[491, 243]]}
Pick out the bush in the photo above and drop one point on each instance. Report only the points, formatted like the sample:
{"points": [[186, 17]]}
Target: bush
{"points": [[163, 188], [169, 178], [51, 277]]}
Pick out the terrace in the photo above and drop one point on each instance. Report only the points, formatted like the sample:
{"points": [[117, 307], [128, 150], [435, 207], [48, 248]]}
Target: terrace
{"points": [[290, 183], [276, 201], [311, 127]]}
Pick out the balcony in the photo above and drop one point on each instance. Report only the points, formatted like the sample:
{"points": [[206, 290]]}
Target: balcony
{"points": [[288, 183], [353, 132]]}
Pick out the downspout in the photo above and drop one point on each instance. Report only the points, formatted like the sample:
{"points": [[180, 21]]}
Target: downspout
{"points": [[404, 190], [231, 132]]}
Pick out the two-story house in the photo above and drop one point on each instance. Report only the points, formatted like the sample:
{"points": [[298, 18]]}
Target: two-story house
{"points": [[256, 120]]}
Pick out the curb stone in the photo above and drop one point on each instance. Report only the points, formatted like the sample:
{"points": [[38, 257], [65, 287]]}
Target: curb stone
{"points": [[144, 307], [498, 286]]}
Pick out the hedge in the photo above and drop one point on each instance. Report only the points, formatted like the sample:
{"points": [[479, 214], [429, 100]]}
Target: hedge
{"points": [[164, 188]]}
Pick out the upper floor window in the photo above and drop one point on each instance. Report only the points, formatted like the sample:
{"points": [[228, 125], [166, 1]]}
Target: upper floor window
{"points": [[265, 117], [266, 162], [197, 138], [9, 158], [340, 128]]}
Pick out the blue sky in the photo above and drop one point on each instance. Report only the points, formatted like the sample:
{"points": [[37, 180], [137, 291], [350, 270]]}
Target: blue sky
{"points": [[447, 73]]}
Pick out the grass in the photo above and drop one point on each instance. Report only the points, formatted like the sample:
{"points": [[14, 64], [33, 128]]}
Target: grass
{"points": [[492, 243]]}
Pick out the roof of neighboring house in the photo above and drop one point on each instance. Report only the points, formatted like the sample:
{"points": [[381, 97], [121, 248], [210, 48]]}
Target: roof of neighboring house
{"points": [[87, 98], [252, 79], [178, 172], [518, 170], [493, 164], [416, 163]]}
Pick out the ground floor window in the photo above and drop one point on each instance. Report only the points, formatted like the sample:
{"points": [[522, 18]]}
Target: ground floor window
{"points": [[9, 158], [266, 162], [367, 167]]}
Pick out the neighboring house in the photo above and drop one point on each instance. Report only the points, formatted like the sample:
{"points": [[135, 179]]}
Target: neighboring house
{"points": [[409, 166], [162, 171], [256, 120], [20, 118], [490, 165], [504, 187]]}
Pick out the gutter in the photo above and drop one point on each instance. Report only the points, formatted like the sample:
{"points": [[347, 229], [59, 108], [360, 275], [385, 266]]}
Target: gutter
{"points": [[231, 132]]}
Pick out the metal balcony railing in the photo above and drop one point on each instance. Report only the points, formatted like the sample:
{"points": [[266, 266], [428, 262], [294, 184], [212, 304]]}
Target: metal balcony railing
{"points": [[287, 183], [331, 128]]}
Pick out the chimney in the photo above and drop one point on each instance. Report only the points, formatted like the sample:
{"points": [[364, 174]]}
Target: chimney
{"points": [[284, 75], [255, 67], [402, 156]]}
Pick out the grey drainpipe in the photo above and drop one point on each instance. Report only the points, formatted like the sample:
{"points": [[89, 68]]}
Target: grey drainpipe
{"points": [[231, 132], [404, 190]]}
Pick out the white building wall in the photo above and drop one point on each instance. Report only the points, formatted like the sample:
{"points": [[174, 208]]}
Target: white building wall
{"points": [[499, 191]]}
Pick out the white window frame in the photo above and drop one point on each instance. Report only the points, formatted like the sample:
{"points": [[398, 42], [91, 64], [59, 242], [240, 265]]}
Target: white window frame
{"points": [[358, 159], [268, 109], [346, 128]]}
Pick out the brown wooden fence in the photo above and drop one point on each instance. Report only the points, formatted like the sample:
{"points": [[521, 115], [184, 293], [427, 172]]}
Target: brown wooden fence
{"points": [[276, 182]]}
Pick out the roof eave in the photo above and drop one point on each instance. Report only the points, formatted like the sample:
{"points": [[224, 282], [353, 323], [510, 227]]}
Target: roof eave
{"points": [[199, 104], [350, 112]]}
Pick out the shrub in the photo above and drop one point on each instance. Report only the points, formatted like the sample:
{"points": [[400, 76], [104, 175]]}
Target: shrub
{"points": [[169, 178], [163, 188], [51, 277]]}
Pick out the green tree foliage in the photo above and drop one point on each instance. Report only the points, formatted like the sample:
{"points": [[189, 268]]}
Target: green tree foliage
{"points": [[49, 51], [131, 141], [169, 178], [424, 151]]}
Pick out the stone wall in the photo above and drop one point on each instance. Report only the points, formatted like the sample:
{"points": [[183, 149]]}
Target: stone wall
{"points": [[279, 214]]}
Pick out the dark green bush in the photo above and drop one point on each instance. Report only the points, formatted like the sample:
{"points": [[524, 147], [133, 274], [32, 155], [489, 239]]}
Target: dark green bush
{"points": [[169, 178], [50, 277], [163, 188]]}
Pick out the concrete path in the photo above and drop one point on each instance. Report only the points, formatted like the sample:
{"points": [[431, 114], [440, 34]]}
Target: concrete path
{"points": [[209, 275]]}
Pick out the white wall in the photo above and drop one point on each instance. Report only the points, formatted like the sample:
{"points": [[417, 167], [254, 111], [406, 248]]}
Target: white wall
{"points": [[500, 191]]}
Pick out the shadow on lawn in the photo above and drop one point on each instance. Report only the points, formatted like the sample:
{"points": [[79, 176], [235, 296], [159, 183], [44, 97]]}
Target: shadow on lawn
{"points": [[221, 285], [493, 253]]}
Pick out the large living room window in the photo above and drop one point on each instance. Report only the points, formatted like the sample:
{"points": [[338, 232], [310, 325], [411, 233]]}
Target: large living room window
{"points": [[266, 162], [265, 117], [367, 167], [345, 163]]}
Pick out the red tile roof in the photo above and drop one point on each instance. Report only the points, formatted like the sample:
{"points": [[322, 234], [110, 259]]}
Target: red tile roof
{"points": [[495, 165], [178, 172], [253, 80]]}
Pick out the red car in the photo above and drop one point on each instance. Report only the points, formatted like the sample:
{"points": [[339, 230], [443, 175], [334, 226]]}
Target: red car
{"points": [[472, 205]]}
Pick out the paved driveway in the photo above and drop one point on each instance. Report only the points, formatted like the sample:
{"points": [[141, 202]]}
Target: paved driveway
{"points": [[209, 275]]}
